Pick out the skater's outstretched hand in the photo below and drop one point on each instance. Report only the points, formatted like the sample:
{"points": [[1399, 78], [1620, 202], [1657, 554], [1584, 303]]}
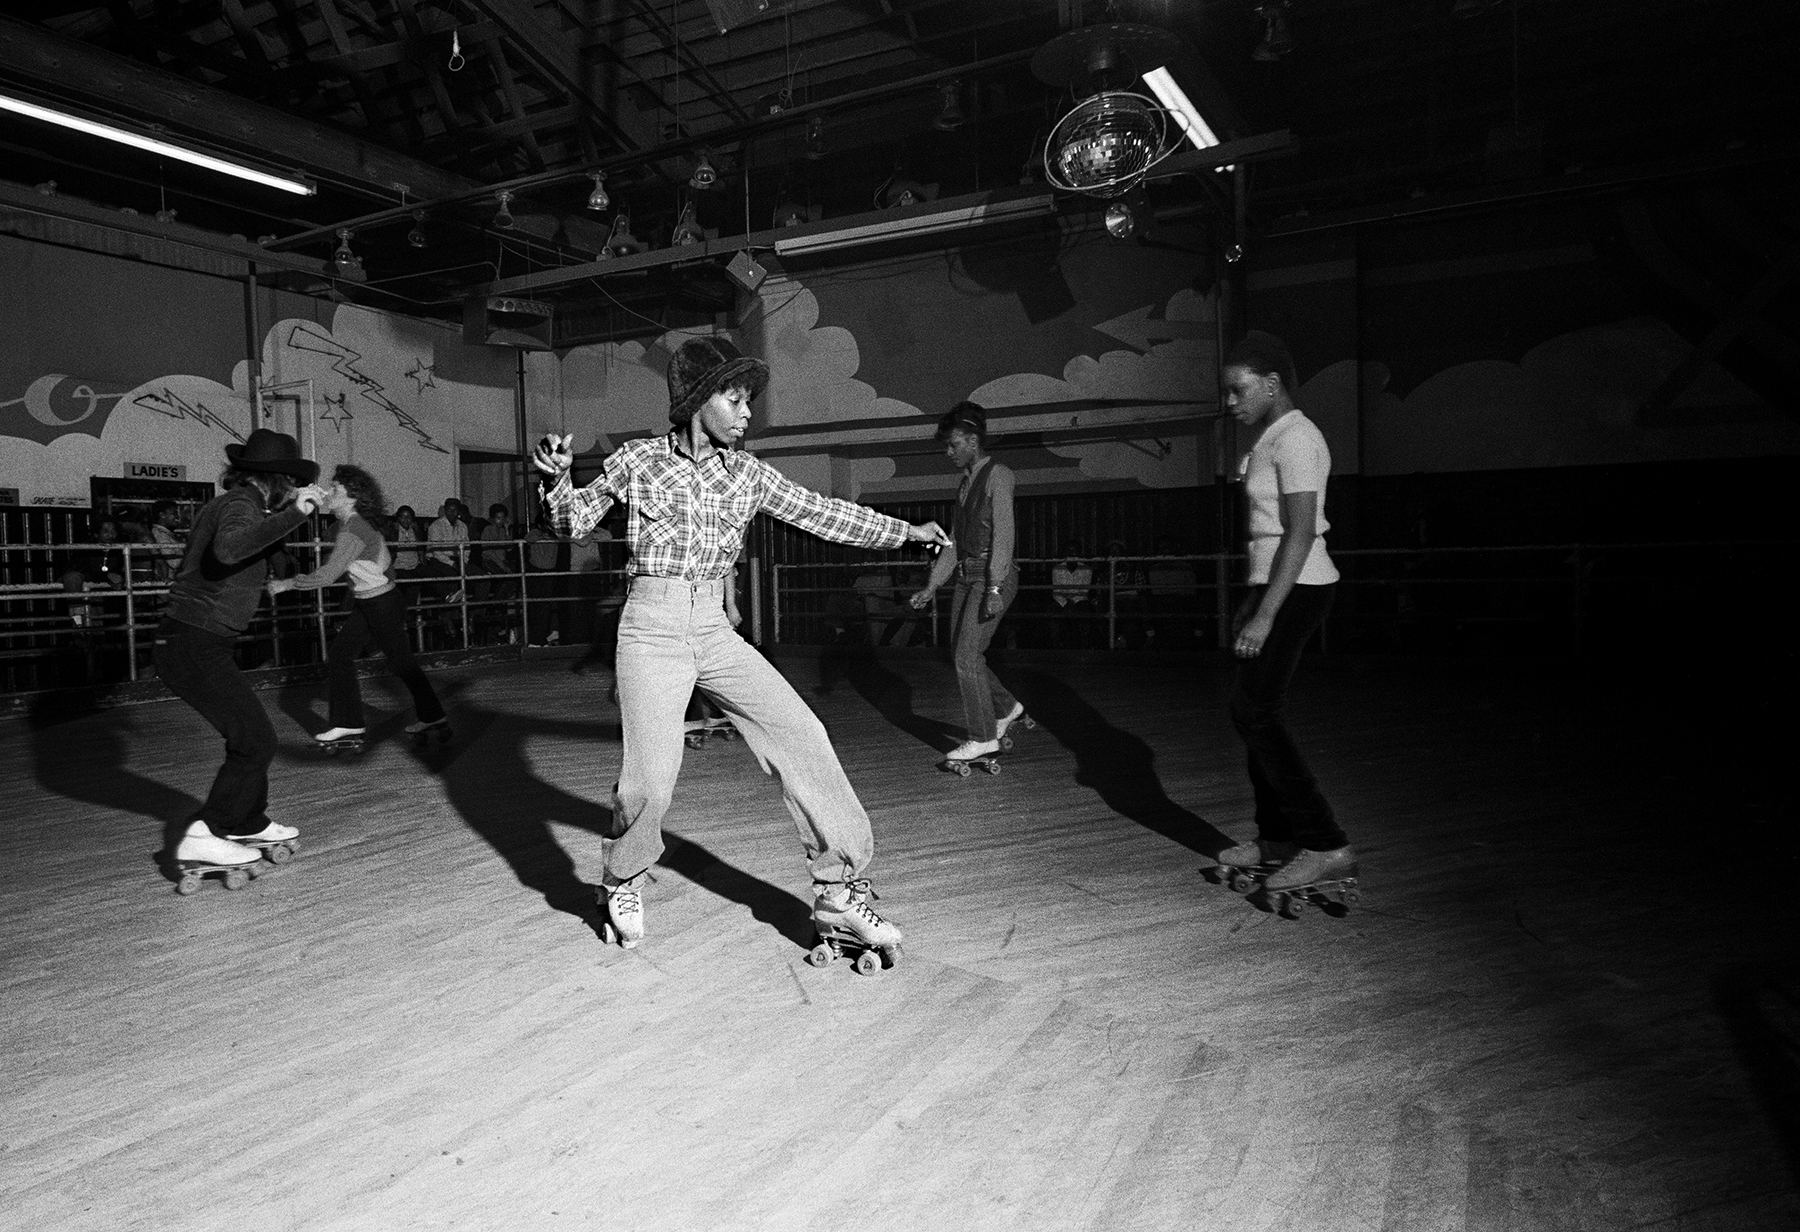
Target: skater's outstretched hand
{"points": [[930, 534], [554, 454]]}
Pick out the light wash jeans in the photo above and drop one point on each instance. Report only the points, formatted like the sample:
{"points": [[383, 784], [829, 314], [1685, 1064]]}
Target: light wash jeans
{"points": [[983, 696], [673, 635]]}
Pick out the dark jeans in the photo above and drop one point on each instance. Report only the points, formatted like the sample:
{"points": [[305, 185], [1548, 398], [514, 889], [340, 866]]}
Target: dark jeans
{"points": [[201, 669], [1289, 806], [381, 620]]}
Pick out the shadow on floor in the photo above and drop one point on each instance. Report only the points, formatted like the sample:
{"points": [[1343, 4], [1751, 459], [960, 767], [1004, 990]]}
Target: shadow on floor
{"points": [[1761, 1009], [88, 763], [1116, 765], [493, 785], [889, 692]]}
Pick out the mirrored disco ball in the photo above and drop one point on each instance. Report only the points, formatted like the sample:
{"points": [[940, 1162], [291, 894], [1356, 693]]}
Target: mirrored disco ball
{"points": [[1104, 144]]}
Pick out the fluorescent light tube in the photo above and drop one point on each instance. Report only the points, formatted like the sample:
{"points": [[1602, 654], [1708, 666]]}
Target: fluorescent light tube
{"points": [[124, 137], [1175, 100], [921, 224]]}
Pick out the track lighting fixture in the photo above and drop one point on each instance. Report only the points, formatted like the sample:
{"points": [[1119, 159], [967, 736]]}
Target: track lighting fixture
{"points": [[504, 219], [346, 260], [1278, 38], [815, 138], [1122, 220], [598, 200], [687, 231], [416, 237], [705, 175], [620, 242]]}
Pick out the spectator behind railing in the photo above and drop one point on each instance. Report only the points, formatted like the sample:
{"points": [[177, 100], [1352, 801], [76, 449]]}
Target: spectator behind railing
{"points": [[1072, 595], [405, 529]]}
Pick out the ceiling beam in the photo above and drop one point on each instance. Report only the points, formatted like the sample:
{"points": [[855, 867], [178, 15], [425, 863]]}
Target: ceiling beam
{"points": [[557, 58], [77, 73]]}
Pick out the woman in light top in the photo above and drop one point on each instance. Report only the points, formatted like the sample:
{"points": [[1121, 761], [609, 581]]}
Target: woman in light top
{"points": [[377, 609], [1292, 582]]}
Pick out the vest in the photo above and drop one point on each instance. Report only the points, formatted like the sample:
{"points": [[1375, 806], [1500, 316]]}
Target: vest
{"points": [[972, 525]]}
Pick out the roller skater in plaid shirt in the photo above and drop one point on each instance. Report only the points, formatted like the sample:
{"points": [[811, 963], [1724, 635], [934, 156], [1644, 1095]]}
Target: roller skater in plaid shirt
{"points": [[690, 497]]}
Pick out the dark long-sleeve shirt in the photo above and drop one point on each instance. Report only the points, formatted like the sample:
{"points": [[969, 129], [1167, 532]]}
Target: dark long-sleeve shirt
{"points": [[221, 579]]}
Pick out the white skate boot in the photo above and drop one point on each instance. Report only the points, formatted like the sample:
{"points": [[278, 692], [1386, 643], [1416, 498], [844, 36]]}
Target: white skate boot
{"points": [[1245, 863], [1015, 715], [341, 740], [201, 852], [623, 904], [1324, 878], [275, 841], [962, 760], [845, 922]]}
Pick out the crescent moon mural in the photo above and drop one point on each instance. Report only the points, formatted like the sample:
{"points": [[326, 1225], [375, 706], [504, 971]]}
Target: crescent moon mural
{"points": [[55, 405]]}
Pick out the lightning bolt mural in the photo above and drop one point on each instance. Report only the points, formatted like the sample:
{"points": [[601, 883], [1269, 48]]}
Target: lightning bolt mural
{"points": [[307, 337], [167, 402]]}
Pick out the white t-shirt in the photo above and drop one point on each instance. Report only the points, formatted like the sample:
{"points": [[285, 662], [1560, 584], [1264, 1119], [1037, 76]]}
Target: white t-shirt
{"points": [[1291, 456]]}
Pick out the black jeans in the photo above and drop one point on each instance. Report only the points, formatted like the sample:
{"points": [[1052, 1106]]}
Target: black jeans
{"points": [[201, 669], [1289, 805], [381, 620]]}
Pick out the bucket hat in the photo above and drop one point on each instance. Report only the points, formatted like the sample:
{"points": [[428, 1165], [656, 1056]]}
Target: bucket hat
{"points": [[702, 367]]}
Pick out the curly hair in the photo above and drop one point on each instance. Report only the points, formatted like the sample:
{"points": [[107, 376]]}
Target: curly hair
{"points": [[1264, 354], [275, 487], [363, 489]]}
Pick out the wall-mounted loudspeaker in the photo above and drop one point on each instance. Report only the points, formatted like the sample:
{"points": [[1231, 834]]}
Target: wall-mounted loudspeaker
{"points": [[746, 272], [501, 320]]}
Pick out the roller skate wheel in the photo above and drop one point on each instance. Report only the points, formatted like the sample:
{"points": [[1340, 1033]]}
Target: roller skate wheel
{"points": [[730, 733], [280, 853], [608, 933], [1287, 906], [1240, 883], [868, 963], [1006, 744], [695, 740], [1352, 895], [962, 770], [189, 884], [992, 767], [1027, 722], [236, 878], [821, 955]]}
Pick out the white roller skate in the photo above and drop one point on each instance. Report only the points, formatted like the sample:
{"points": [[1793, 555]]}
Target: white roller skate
{"points": [[1325, 879], [965, 757], [1015, 715], [201, 852], [424, 733], [622, 906], [276, 842], [1248, 863], [845, 923], [341, 740]]}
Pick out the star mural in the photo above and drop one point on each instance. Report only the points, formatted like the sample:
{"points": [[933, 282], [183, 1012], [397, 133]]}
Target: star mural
{"points": [[421, 374]]}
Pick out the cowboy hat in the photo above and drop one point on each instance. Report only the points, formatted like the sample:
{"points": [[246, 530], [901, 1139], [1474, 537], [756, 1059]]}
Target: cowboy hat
{"points": [[272, 453]]}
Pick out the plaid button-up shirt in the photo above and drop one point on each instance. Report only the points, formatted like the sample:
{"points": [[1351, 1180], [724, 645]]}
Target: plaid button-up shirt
{"points": [[686, 520]]}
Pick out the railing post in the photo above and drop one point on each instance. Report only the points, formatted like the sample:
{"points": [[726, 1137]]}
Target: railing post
{"points": [[1112, 602], [775, 603], [524, 603], [1222, 589], [318, 615], [756, 637], [462, 592], [1580, 586], [130, 620]]}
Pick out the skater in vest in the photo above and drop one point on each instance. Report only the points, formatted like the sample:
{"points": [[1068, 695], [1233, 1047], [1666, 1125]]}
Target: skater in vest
{"points": [[690, 499], [987, 580], [377, 611], [1291, 587], [216, 591]]}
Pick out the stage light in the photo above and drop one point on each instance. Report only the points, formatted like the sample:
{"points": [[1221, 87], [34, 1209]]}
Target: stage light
{"points": [[504, 219], [1277, 39], [950, 113], [1121, 220], [787, 214], [416, 237], [108, 132], [620, 242], [346, 260], [687, 231], [705, 176], [815, 138], [598, 200]]}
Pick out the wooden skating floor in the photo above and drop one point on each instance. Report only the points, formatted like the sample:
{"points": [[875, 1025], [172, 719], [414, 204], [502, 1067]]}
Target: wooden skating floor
{"points": [[1537, 1019]]}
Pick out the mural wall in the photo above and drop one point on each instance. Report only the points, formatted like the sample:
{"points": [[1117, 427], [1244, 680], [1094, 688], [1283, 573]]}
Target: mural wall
{"points": [[1552, 337]]}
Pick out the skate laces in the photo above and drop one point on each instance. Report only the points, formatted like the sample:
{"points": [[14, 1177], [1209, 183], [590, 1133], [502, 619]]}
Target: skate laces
{"points": [[860, 894]]}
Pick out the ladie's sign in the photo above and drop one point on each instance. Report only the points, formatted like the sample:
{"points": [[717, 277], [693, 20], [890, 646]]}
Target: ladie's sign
{"points": [[154, 470]]}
